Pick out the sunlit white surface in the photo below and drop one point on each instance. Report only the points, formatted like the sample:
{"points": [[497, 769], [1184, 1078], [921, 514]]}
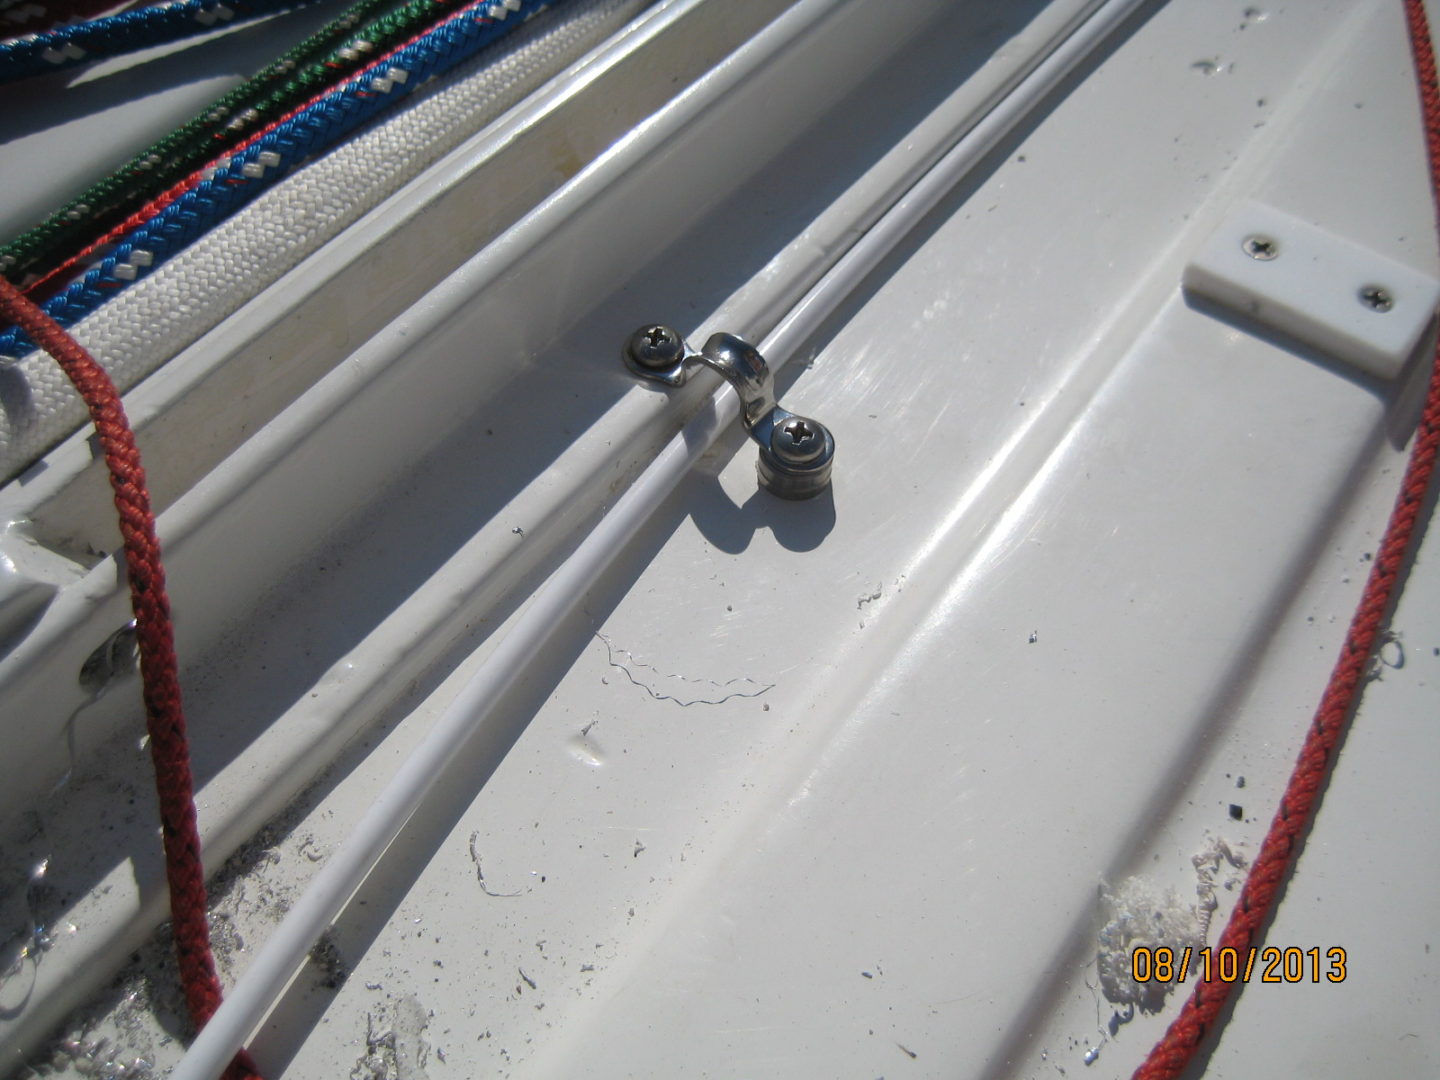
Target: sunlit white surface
{"points": [[1086, 563]]}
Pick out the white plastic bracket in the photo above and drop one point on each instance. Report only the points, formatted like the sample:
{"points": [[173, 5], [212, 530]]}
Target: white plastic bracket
{"points": [[30, 578], [1347, 301]]}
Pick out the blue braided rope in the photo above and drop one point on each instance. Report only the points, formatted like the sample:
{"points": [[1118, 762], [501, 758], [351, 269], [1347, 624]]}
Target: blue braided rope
{"points": [[237, 180], [81, 43]]}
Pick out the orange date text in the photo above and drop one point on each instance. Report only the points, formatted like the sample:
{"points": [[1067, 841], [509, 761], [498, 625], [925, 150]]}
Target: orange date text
{"points": [[1270, 964]]}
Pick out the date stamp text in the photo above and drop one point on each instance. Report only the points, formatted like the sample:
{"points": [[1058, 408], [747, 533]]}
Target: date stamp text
{"points": [[1263, 965]]}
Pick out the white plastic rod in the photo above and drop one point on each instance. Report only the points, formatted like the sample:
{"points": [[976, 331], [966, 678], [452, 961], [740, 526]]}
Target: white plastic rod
{"points": [[338, 879], [280, 957], [807, 316]]}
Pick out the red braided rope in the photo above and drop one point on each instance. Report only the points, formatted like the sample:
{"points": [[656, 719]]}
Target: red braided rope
{"points": [[165, 719], [1182, 1040]]}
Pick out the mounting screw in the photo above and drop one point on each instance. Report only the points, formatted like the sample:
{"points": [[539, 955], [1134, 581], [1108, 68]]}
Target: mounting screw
{"points": [[1260, 248], [796, 453], [797, 441], [1377, 298], [797, 462], [655, 348]]}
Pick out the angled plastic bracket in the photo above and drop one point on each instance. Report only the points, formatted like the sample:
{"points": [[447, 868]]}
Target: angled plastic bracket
{"points": [[1346, 300]]}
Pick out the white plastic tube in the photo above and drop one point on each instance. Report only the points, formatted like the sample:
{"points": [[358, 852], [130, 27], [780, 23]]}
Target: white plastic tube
{"points": [[280, 957]]}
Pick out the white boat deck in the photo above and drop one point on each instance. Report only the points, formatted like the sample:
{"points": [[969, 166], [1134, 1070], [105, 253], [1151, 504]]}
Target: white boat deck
{"points": [[825, 788]]}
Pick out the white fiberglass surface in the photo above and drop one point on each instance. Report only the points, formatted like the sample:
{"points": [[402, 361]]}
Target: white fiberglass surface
{"points": [[833, 788], [289, 636]]}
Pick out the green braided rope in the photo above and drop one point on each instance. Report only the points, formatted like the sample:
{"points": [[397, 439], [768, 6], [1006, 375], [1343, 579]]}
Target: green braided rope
{"points": [[219, 127]]}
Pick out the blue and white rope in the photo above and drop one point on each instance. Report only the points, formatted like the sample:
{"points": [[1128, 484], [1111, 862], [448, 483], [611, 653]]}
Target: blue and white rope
{"points": [[237, 180], [114, 35], [156, 320]]}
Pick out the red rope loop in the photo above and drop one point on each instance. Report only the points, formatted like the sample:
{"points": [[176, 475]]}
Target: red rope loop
{"points": [[1182, 1040], [165, 719]]}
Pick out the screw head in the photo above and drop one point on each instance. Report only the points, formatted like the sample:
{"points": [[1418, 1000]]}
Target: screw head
{"points": [[1377, 298], [797, 441], [1260, 248], [655, 347]]}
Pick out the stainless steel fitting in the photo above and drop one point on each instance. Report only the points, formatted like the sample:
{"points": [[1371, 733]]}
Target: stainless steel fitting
{"points": [[796, 452]]}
